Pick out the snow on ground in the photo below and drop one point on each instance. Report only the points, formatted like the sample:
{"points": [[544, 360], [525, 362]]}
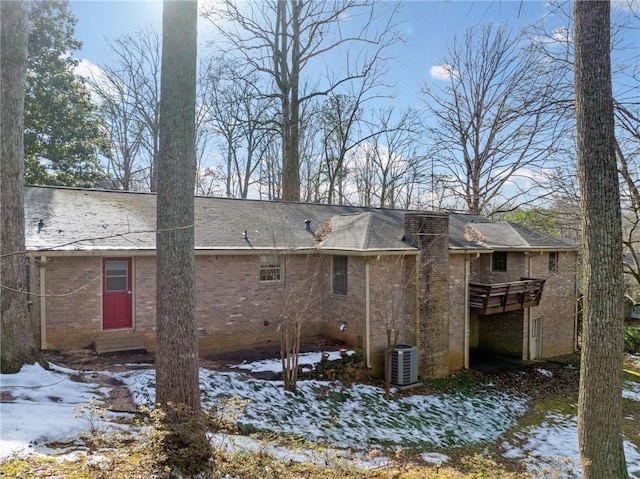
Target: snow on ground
{"points": [[326, 457], [354, 416], [631, 391], [42, 409], [555, 441], [307, 360]]}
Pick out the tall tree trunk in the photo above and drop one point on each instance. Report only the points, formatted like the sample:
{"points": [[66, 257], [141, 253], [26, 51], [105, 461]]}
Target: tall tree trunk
{"points": [[186, 449], [177, 355], [18, 342], [600, 398], [291, 189]]}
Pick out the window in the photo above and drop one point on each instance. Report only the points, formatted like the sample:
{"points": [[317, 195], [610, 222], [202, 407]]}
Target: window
{"points": [[270, 269], [499, 261], [339, 282], [553, 262], [116, 275]]}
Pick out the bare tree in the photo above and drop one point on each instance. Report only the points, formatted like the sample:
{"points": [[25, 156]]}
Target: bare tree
{"points": [[494, 124], [270, 184], [600, 399], [129, 93], [18, 342], [124, 130], [342, 115], [208, 176], [551, 36], [177, 364], [297, 302], [311, 169], [283, 38], [390, 277], [391, 166], [241, 116], [628, 154]]}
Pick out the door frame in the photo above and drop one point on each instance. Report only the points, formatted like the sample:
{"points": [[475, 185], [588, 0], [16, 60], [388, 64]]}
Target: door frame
{"points": [[130, 291], [535, 337]]}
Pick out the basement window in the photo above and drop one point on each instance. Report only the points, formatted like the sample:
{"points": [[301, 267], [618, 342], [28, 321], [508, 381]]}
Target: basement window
{"points": [[499, 261], [270, 269], [339, 275]]}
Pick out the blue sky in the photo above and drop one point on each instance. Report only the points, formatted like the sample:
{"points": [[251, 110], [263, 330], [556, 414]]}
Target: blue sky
{"points": [[427, 26]]}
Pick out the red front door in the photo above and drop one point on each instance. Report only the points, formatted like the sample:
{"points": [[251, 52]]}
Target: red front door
{"points": [[116, 293]]}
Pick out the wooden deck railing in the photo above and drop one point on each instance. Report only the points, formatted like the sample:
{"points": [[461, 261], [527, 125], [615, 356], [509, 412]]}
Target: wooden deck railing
{"points": [[501, 297]]}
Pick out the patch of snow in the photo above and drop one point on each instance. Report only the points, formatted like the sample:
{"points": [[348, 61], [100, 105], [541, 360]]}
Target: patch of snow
{"points": [[354, 416], [275, 365], [43, 408], [325, 457], [553, 445], [631, 390], [434, 457]]}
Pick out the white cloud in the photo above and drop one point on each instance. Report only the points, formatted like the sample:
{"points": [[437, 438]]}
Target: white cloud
{"points": [[561, 34], [95, 75], [441, 72], [626, 5], [88, 70]]}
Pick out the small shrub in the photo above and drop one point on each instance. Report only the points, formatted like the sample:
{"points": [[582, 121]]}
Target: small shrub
{"points": [[225, 412], [556, 467], [100, 433], [482, 466], [178, 445], [632, 339]]}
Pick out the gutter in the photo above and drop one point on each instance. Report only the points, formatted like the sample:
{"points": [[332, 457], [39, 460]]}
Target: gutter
{"points": [[227, 252]]}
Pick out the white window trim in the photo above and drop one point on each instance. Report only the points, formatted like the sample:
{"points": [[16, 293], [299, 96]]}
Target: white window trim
{"points": [[268, 262]]}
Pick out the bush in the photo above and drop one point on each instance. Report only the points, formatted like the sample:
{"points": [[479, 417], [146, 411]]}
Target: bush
{"points": [[178, 442], [632, 339]]}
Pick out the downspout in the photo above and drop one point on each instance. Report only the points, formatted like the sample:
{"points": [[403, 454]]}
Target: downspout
{"points": [[43, 303], [467, 275], [367, 316], [417, 305]]}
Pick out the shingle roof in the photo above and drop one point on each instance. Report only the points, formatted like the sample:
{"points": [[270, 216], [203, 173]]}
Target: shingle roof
{"points": [[77, 220], [458, 232], [504, 235], [70, 219]]}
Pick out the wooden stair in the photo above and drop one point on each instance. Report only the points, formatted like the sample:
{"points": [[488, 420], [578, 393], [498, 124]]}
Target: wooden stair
{"points": [[113, 344]]}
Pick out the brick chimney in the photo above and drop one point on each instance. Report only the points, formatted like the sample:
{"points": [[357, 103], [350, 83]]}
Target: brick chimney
{"points": [[430, 233]]}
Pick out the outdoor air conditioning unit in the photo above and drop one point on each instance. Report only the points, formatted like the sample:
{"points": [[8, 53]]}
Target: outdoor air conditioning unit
{"points": [[404, 365]]}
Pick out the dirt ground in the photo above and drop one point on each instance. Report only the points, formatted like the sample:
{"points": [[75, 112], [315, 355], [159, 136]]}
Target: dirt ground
{"points": [[89, 360], [522, 378], [89, 364]]}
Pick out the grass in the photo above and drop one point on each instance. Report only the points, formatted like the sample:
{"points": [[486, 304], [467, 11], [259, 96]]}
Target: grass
{"points": [[632, 339], [248, 466]]}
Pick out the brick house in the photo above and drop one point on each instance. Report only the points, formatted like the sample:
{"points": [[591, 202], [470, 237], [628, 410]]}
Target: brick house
{"points": [[448, 283]]}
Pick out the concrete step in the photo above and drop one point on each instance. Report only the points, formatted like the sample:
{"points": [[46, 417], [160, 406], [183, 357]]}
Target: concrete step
{"points": [[112, 344]]}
